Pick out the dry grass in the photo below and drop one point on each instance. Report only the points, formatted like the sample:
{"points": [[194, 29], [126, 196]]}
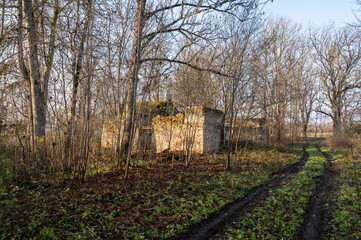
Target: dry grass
{"points": [[338, 142]]}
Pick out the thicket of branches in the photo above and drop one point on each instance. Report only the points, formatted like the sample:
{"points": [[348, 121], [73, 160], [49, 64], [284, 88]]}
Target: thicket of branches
{"points": [[66, 67]]}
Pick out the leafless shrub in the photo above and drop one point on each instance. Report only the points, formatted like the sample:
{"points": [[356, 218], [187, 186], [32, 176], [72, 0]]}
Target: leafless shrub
{"points": [[338, 142]]}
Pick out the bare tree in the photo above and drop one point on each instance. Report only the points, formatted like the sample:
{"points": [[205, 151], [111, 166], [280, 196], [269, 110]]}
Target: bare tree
{"points": [[276, 53], [173, 18], [77, 65], [31, 71], [337, 53], [308, 97], [193, 87], [236, 58]]}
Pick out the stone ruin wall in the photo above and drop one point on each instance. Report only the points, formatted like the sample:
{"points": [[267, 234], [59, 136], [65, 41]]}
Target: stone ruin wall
{"points": [[111, 133], [213, 130], [199, 127], [143, 139], [251, 129], [170, 133]]}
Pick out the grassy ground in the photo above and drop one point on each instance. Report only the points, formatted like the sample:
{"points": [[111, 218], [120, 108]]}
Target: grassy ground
{"points": [[155, 202], [158, 201], [281, 214], [345, 201]]}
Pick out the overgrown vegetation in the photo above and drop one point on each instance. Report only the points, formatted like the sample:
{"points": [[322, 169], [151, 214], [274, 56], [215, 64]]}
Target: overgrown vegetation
{"points": [[156, 202]]}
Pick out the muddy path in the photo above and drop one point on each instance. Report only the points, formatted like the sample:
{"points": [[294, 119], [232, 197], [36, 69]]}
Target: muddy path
{"points": [[315, 219], [234, 210]]}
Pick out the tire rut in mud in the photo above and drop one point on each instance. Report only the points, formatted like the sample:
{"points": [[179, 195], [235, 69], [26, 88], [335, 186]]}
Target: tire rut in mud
{"points": [[316, 216], [234, 210]]}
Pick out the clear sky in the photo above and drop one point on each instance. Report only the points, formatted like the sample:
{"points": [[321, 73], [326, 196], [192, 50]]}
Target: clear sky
{"points": [[317, 12]]}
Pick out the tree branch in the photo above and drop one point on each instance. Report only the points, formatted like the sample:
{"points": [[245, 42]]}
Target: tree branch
{"points": [[325, 113], [185, 63]]}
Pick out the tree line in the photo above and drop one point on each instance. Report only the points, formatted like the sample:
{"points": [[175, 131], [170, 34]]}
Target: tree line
{"points": [[66, 67]]}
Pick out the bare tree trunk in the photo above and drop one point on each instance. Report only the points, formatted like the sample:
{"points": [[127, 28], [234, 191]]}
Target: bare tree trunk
{"points": [[336, 124], [25, 74], [231, 109], [305, 127], [76, 80], [50, 57], [37, 93], [133, 79], [230, 136], [2, 21]]}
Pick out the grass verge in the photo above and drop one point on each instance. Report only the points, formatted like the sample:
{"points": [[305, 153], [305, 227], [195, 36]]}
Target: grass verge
{"points": [[346, 200], [281, 214]]}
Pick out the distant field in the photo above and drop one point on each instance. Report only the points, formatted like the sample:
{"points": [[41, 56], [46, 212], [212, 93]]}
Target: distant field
{"points": [[320, 135]]}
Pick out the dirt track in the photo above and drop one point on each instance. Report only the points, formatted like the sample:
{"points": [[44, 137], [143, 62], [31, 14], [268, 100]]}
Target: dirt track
{"points": [[215, 223], [314, 219]]}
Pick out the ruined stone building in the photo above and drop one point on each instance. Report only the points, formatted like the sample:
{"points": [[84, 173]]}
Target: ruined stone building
{"points": [[246, 129], [197, 129], [161, 128], [113, 129]]}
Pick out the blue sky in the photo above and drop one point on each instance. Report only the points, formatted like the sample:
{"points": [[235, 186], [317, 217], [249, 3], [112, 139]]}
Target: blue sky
{"points": [[317, 12]]}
